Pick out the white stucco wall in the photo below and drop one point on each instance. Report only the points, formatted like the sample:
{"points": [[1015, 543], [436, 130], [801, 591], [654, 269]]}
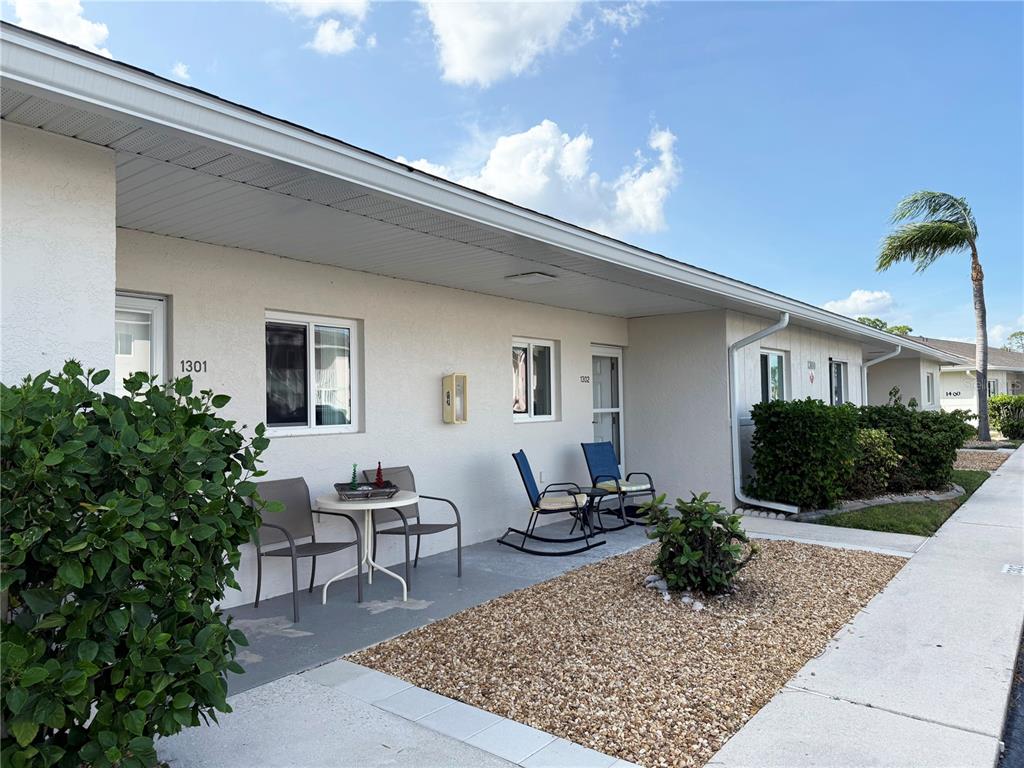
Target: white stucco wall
{"points": [[413, 334], [909, 375], [677, 404], [57, 240]]}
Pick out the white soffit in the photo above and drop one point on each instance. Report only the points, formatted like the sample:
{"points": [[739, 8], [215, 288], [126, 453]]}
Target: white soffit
{"points": [[192, 165]]}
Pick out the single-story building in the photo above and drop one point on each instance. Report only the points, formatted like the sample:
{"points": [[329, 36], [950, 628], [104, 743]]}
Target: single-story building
{"points": [[958, 378], [150, 225]]}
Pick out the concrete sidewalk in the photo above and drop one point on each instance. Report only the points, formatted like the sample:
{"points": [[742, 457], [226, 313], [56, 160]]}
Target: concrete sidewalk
{"points": [[921, 675]]}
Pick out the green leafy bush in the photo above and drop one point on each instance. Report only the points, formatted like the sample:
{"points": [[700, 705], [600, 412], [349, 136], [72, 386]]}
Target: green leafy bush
{"points": [[804, 451], [121, 527], [702, 546], [875, 464], [1007, 414], [927, 442]]}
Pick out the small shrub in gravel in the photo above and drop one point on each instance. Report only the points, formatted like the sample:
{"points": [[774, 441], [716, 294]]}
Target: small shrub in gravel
{"points": [[702, 546], [1007, 414], [876, 462]]}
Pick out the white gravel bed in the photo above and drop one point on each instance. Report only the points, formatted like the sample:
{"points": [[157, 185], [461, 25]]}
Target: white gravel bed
{"points": [[595, 657]]}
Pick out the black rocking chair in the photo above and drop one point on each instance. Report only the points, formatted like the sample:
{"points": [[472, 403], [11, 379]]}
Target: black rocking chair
{"points": [[557, 498]]}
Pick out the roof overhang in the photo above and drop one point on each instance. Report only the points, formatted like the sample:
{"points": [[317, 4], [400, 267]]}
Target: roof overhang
{"points": [[196, 166]]}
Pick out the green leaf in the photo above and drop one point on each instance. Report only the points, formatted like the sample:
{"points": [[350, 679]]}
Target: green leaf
{"points": [[101, 562], [53, 458], [202, 532], [16, 699], [117, 620], [99, 377], [135, 722], [76, 543], [87, 650], [72, 573], [33, 675], [197, 438], [40, 600], [182, 701], [219, 401], [24, 731], [183, 386]]}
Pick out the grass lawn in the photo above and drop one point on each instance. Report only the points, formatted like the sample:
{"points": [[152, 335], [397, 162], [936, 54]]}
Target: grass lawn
{"points": [[920, 518]]}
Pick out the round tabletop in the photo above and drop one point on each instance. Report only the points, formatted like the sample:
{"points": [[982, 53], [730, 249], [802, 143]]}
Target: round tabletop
{"points": [[331, 501]]}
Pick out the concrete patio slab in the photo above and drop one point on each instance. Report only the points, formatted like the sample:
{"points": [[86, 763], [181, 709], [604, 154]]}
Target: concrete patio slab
{"points": [[277, 647], [900, 544], [804, 730], [926, 666], [295, 723]]}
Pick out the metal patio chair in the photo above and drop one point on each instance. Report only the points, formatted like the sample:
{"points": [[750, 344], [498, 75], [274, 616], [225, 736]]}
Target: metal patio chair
{"points": [[296, 522], [409, 517], [603, 465], [556, 498]]}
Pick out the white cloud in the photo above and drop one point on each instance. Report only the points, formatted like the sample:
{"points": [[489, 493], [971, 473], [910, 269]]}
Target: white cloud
{"points": [[997, 333], [314, 9], [483, 42], [548, 170], [180, 71], [862, 302], [63, 20], [624, 17], [333, 39]]}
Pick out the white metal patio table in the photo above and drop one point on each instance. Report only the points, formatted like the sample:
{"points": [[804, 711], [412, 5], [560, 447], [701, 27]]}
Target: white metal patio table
{"points": [[331, 503]]}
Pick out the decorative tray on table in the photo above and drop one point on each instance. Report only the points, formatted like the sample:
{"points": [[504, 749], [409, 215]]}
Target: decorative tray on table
{"points": [[365, 491]]}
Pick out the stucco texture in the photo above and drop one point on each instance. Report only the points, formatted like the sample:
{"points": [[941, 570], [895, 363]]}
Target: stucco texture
{"points": [[413, 334], [57, 219]]}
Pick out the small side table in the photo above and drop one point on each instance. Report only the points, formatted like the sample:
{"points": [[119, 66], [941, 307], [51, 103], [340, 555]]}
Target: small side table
{"points": [[331, 503]]}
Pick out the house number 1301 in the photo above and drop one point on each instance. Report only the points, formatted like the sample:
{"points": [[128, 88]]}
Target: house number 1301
{"points": [[193, 366]]}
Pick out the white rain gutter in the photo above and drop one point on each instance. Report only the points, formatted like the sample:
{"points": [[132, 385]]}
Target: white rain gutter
{"points": [[734, 407], [864, 371]]}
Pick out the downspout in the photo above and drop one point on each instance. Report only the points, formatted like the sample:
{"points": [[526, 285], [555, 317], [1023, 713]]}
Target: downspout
{"points": [[864, 372], [734, 407]]}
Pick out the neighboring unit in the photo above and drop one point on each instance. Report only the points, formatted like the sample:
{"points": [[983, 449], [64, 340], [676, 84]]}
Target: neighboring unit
{"points": [[149, 225], [957, 383]]}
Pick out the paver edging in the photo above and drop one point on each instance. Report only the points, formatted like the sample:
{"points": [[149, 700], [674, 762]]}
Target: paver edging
{"points": [[852, 505]]}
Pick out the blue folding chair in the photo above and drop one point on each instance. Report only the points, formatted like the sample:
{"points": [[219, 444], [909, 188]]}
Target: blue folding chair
{"points": [[557, 498], [603, 465]]}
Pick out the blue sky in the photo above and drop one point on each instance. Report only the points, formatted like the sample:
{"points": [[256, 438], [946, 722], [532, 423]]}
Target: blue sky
{"points": [[765, 141]]}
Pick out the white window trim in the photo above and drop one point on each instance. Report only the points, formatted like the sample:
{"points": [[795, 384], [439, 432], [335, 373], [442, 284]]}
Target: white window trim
{"points": [[786, 378], [355, 384], [846, 379], [522, 341], [157, 307], [929, 378]]}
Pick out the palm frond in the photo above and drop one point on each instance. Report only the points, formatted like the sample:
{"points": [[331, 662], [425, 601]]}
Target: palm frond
{"points": [[922, 243], [931, 205]]}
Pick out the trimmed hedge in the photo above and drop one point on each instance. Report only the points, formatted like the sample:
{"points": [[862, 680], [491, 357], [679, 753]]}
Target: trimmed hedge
{"points": [[812, 455], [122, 522], [1007, 414], [926, 441], [804, 451], [877, 460]]}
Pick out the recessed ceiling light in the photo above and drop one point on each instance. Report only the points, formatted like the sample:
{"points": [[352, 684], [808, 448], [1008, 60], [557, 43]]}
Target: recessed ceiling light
{"points": [[531, 278]]}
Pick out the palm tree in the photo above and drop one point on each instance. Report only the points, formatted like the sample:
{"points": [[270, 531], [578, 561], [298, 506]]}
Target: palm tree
{"points": [[930, 225]]}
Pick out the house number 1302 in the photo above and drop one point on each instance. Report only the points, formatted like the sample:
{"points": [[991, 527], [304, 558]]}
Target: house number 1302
{"points": [[193, 366]]}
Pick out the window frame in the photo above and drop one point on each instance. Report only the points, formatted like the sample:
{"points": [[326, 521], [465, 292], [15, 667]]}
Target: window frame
{"points": [[310, 322], [993, 387], [784, 367], [156, 306], [929, 387], [845, 374], [551, 346]]}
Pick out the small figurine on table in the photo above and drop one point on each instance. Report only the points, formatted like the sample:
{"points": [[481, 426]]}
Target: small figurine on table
{"points": [[379, 479], [355, 478]]}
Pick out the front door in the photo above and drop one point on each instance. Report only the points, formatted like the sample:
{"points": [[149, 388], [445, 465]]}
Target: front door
{"points": [[607, 385], [139, 324]]}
